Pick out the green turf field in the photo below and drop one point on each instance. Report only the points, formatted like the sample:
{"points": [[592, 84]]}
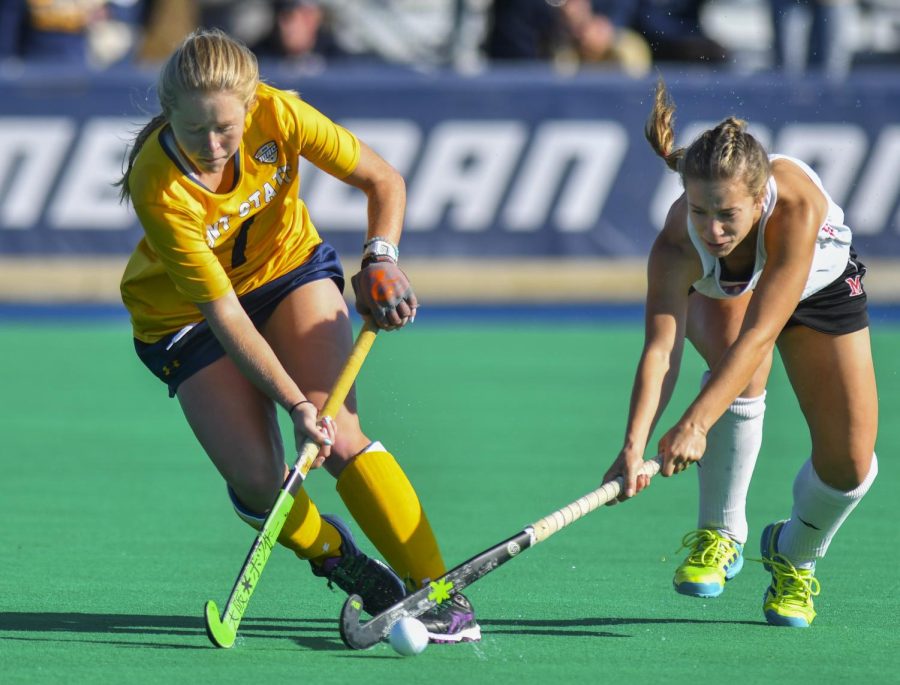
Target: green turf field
{"points": [[116, 530]]}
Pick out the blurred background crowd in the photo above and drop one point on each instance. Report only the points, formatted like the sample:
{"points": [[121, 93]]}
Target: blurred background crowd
{"points": [[630, 36]]}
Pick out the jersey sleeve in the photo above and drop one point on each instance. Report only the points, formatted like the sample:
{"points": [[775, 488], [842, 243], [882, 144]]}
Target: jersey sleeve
{"points": [[328, 145], [179, 242]]}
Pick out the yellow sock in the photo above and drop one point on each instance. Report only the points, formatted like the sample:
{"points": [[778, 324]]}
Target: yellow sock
{"points": [[305, 532], [383, 502]]}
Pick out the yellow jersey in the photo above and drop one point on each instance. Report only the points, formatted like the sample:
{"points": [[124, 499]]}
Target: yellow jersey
{"points": [[198, 244]]}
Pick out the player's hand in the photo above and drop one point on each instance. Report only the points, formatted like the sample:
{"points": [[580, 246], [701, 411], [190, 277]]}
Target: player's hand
{"points": [[680, 447], [627, 465], [307, 425], [383, 293]]}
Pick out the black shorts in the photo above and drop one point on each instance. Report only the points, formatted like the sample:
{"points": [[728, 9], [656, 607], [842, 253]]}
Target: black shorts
{"points": [[839, 307], [178, 356]]}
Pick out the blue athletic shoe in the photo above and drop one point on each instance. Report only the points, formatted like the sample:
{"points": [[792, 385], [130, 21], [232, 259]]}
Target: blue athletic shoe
{"points": [[714, 560], [788, 600], [355, 573]]}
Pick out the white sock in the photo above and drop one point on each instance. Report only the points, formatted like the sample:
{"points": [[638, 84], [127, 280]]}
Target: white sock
{"points": [[724, 473], [818, 512]]}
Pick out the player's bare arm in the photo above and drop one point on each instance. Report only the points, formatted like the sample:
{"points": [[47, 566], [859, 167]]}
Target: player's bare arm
{"points": [[382, 290], [248, 349], [386, 192], [672, 267]]}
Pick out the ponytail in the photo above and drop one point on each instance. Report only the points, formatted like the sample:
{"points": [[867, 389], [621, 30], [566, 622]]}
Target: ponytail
{"points": [[659, 129], [139, 140], [727, 151]]}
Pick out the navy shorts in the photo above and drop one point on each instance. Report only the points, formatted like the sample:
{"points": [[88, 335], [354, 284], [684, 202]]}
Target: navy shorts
{"points": [[838, 308], [178, 356]]}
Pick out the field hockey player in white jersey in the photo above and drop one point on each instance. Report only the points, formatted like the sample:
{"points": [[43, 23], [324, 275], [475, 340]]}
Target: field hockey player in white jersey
{"points": [[236, 305], [753, 255]]}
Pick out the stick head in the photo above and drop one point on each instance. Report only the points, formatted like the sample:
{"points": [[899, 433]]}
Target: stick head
{"points": [[220, 634], [350, 626]]}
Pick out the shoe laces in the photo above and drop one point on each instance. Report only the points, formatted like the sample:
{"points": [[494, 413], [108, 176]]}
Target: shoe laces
{"points": [[792, 585], [708, 548], [344, 571]]}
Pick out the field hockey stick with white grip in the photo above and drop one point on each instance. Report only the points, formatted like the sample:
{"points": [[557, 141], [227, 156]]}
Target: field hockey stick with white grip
{"points": [[222, 631], [358, 635]]}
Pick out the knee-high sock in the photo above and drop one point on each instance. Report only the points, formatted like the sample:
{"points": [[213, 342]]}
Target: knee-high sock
{"points": [[305, 532], [818, 512], [724, 473], [385, 505]]}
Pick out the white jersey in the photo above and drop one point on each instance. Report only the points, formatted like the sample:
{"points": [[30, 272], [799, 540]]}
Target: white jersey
{"points": [[830, 259]]}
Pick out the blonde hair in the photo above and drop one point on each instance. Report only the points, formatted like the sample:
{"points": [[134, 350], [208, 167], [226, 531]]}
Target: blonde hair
{"points": [[724, 152], [207, 61]]}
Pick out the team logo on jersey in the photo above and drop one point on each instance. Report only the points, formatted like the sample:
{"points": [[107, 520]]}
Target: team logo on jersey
{"points": [[855, 283], [268, 153]]}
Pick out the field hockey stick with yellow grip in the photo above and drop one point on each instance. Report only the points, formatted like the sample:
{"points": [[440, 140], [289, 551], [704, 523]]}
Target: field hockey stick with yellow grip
{"points": [[223, 630], [358, 635]]}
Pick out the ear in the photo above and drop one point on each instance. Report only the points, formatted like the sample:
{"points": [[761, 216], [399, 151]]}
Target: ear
{"points": [[760, 200]]}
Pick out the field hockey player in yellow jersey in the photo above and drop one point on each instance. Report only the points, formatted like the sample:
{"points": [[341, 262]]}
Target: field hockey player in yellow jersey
{"points": [[236, 304]]}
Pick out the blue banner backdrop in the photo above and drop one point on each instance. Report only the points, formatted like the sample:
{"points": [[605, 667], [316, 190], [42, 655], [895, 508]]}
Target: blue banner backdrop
{"points": [[505, 163]]}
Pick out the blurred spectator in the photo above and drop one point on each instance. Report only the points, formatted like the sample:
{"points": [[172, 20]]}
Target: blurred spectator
{"points": [[422, 34], [297, 36], [88, 32], [246, 20], [166, 24], [115, 35], [675, 33], [569, 33], [523, 30], [814, 35], [305, 33]]}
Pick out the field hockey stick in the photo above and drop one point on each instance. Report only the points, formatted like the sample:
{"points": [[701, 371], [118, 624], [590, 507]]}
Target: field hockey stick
{"points": [[222, 631], [358, 635]]}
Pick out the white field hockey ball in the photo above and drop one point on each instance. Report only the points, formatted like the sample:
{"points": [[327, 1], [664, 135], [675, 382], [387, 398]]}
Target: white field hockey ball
{"points": [[409, 636]]}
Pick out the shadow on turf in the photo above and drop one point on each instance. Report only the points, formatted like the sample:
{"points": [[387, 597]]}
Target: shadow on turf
{"points": [[565, 626], [319, 634], [138, 625]]}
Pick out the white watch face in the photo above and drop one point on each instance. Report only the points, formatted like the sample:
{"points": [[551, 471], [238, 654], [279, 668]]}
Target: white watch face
{"points": [[380, 248]]}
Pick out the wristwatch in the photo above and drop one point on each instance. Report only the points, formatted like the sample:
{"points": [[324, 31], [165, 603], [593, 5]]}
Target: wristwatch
{"points": [[379, 247]]}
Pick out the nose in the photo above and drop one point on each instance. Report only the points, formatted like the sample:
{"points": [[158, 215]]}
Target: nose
{"points": [[212, 142], [714, 228]]}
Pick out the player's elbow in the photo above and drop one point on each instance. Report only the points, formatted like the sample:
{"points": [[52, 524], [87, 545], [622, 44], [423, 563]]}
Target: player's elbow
{"points": [[761, 338]]}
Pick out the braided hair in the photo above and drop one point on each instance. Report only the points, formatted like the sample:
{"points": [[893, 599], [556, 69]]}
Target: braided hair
{"points": [[726, 151]]}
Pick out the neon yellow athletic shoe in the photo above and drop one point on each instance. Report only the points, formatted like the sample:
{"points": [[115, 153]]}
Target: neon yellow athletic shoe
{"points": [[788, 600], [714, 560]]}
